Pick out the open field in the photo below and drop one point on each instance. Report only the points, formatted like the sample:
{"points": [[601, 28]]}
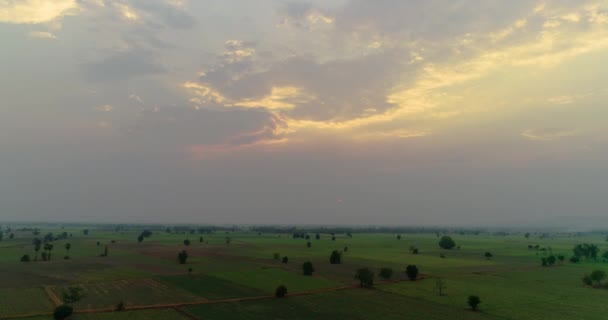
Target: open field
{"points": [[233, 275]]}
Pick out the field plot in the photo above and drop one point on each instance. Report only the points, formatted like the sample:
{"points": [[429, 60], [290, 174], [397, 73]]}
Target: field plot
{"points": [[154, 314], [349, 304], [135, 292], [267, 280], [24, 301], [212, 288]]}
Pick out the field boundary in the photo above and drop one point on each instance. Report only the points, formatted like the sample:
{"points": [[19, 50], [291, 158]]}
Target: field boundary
{"points": [[52, 296]]}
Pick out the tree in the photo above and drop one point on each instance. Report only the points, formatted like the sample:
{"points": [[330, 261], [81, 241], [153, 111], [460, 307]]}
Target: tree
{"points": [[333, 238], [37, 243], [281, 291], [415, 251], [182, 257], [345, 249], [73, 294], [317, 236], [25, 258], [543, 261], [48, 247], [335, 257], [488, 255], [598, 276], [186, 242], [307, 268], [398, 237], [412, 272], [473, 302], [120, 306], [140, 238], [446, 242], [276, 256], [85, 232], [67, 246], [62, 312], [308, 244], [561, 258], [551, 260], [285, 259], [527, 235], [440, 286], [365, 277], [574, 259], [386, 273], [200, 239]]}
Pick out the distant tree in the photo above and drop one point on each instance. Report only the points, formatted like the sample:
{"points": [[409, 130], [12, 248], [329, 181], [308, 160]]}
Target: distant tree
{"points": [[140, 238], [561, 258], [228, 240], [605, 256], [25, 258], [488, 255], [440, 286], [37, 243], [62, 312], [182, 257], [98, 243], [120, 306], [72, 294], [365, 277], [333, 238], [473, 302], [335, 257], [190, 271], [598, 276], [317, 236], [49, 248], [307, 268], [105, 252], [345, 249], [543, 261], [67, 247], [276, 256], [398, 237], [285, 259], [386, 273], [200, 239], [574, 259], [527, 235], [412, 272], [446, 242], [11, 236], [85, 232], [551, 260], [587, 280], [308, 244], [415, 251], [186, 242], [348, 234], [280, 292]]}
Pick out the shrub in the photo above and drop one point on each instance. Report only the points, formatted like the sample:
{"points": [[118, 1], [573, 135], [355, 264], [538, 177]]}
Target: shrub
{"points": [[62, 312], [365, 277], [386, 273], [281, 291], [473, 302]]}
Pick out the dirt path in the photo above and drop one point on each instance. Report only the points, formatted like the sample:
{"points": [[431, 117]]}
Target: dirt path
{"points": [[52, 296]]}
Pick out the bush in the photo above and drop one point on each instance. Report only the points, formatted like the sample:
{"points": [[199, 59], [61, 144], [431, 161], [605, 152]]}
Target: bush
{"points": [[307, 268], [575, 259], [25, 258], [335, 257], [285, 259], [120, 306], [281, 291], [62, 312], [386, 273], [447, 242], [473, 302], [365, 277], [412, 272]]}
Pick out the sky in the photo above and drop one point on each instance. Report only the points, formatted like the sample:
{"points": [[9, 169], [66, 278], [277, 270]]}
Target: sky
{"points": [[388, 112]]}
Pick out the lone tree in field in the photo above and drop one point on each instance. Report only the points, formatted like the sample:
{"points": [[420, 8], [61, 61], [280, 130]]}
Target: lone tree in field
{"points": [[186, 242], [285, 259], [281, 291], [182, 257], [48, 247], [62, 312], [307, 268], [488, 255], [412, 272], [335, 257], [473, 302], [440, 286], [73, 294], [446, 242], [308, 244], [67, 246], [317, 236], [365, 277], [25, 258], [37, 243], [386, 273]]}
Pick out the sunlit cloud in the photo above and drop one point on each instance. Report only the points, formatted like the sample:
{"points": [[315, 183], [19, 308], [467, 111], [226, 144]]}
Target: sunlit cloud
{"points": [[35, 11], [547, 135], [42, 35]]}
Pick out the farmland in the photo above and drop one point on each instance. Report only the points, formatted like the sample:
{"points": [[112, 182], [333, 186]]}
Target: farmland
{"points": [[232, 273]]}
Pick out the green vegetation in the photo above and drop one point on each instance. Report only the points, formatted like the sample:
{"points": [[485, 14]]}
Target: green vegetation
{"points": [[242, 277]]}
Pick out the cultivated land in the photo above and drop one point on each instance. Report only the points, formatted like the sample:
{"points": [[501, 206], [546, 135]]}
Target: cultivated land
{"points": [[234, 274]]}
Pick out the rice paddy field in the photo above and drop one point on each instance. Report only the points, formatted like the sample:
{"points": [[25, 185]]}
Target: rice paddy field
{"points": [[233, 274]]}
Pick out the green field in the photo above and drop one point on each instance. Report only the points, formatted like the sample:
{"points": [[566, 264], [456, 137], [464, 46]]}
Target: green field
{"points": [[236, 279]]}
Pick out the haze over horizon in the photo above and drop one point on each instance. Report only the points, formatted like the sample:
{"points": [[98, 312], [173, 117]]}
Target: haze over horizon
{"points": [[313, 112]]}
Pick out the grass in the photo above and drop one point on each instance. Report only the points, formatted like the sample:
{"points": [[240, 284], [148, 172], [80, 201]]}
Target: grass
{"points": [[211, 288]]}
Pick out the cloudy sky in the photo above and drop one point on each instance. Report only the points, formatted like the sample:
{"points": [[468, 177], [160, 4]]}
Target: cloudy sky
{"points": [[277, 111]]}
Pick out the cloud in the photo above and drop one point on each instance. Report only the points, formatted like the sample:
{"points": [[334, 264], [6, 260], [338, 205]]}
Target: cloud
{"points": [[42, 35], [35, 11], [122, 66], [546, 135]]}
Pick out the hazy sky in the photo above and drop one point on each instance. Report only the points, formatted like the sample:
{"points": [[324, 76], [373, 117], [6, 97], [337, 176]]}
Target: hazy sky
{"points": [[273, 111]]}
